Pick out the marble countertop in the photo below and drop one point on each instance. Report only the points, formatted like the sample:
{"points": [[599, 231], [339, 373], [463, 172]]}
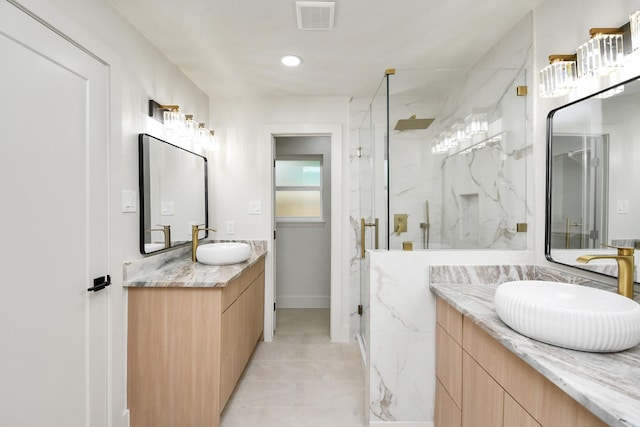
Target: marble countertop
{"points": [[175, 269], [607, 384]]}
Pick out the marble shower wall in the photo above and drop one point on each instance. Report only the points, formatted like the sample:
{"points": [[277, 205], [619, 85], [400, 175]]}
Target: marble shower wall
{"points": [[483, 193], [476, 199]]}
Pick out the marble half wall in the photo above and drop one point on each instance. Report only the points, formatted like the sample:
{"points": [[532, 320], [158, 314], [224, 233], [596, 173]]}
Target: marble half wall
{"points": [[400, 362], [401, 356]]}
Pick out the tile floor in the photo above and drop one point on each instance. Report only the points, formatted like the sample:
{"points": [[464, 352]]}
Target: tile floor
{"points": [[301, 379]]}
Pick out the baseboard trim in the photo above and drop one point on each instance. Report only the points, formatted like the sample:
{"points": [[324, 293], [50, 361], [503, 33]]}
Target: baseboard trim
{"points": [[303, 302]]}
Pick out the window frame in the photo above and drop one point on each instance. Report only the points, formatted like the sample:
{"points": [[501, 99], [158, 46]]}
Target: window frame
{"points": [[320, 189]]}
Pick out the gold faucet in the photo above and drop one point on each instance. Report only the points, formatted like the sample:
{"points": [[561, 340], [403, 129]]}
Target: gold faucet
{"points": [[166, 229], [195, 229], [625, 261]]}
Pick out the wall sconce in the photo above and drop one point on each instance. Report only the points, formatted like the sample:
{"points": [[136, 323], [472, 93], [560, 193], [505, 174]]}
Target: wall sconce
{"points": [[184, 126], [559, 77], [599, 56], [602, 54]]}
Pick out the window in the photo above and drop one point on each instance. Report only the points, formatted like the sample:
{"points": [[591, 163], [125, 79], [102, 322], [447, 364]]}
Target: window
{"points": [[299, 188]]}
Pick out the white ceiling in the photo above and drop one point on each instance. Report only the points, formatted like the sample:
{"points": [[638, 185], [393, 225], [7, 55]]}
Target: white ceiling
{"points": [[234, 47]]}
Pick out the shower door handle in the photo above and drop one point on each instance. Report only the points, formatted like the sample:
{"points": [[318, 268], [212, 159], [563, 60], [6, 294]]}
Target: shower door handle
{"points": [[363, 225]]}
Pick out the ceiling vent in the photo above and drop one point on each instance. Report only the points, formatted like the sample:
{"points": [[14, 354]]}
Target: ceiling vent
{"points": [[315, 15]]}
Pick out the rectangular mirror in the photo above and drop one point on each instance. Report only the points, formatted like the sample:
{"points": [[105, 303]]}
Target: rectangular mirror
{"points": [[593, 176], [173, 194]]}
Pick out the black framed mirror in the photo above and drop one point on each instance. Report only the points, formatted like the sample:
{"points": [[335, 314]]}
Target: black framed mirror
{"points": [[593, 176], [173, 194]]}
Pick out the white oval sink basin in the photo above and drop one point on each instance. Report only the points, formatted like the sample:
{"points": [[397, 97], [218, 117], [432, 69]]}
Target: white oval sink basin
{"points": [[570, 316], [223, 253]]}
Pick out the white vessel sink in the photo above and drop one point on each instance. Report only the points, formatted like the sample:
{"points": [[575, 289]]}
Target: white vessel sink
{"points": [[223, 253], [570, 316]]}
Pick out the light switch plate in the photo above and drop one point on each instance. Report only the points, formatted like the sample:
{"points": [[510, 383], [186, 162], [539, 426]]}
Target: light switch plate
{"points": [[231, 227], [129, 202], [622, 207], [166, 208], [255, 207]]}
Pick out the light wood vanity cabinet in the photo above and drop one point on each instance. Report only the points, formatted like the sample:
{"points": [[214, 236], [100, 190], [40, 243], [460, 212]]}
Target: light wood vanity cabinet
{"points": [[481, 383], [187, 348]]}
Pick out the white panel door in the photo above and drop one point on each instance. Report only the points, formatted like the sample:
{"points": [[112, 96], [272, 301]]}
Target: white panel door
{"points": [[53, 228]]}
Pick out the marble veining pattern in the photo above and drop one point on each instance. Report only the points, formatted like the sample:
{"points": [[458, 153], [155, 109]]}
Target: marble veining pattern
{"points": [[495, 177], [401, 356], [175, 269], [605, 383]]}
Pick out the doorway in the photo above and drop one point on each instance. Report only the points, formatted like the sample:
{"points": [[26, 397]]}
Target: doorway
{"points": [[580, 191], [339, 311], [303, 221]]}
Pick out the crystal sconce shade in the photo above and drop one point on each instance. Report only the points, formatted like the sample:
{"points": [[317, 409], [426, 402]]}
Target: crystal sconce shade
{"points": [[475, 124], [460, 135], [190, 127], [174, 120], [602, 54], [559, 77], [634, 22]]}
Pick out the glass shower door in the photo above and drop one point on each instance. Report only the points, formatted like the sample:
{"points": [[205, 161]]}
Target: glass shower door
{"points": [[373, 183]]}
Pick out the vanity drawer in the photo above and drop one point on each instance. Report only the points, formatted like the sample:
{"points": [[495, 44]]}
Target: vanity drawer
{"points": [[450, 319], [251, 274], [231, 292], [449, 365]]}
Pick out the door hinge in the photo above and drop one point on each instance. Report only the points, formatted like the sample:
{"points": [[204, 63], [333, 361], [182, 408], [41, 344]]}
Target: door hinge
{"points": [[360, 309], [99, 283], [274, 234], [274, 306]]}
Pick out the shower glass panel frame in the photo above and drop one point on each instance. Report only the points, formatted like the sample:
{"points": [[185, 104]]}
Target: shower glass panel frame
{"points": [[373, 191], [473, 196]]}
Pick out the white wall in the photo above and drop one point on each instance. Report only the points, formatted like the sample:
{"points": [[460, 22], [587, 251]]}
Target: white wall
{"points": [[137, 73], [560, 27], [241, 171]]}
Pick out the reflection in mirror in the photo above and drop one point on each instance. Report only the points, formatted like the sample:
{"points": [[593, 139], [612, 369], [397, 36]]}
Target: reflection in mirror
{"points": [[592, 178], [173, 194]]}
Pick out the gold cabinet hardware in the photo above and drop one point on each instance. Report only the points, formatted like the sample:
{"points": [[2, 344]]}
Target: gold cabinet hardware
{"points": [[522, 90]]}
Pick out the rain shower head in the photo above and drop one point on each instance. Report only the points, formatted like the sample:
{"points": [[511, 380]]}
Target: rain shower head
{"points": [[412, 123]]}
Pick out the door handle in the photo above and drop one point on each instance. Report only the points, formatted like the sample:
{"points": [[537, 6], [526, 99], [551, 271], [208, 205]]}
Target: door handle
{"points": [[363, 225], [99, 283]]}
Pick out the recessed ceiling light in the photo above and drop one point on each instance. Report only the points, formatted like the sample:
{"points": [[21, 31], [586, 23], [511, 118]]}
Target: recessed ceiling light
{"points": [[291, 60]]}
